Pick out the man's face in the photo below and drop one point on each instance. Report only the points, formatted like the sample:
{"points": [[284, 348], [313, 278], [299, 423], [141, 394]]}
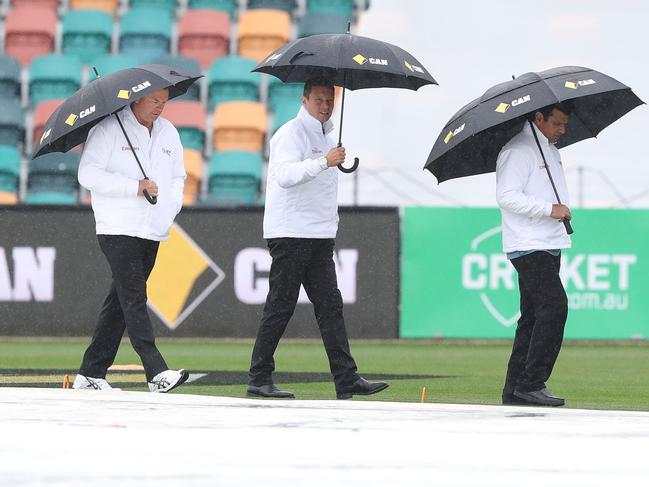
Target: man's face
{"points": [[554, 127], [148, 108], [320, 103]]}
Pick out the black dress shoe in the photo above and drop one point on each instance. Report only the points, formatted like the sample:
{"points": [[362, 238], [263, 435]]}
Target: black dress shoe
{"points": [[269, 390], [510, 399], [362, 388], [542, 397]]}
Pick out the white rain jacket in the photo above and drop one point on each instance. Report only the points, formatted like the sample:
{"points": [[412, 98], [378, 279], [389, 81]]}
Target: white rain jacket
{"points": [[301, 191], [525, 196], [109, 170]]}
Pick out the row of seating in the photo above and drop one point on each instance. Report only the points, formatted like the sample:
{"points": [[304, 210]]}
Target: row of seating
{"points": [[234, 178], [146, 33]]}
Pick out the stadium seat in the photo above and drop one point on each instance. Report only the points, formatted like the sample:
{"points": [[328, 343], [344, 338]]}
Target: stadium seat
{"points": [[280, 93], [110, 64], [342, 7], [204, 35], [234, 178], [53, 179], [9, 169], [186, 64], [314, 23], [41, 114], [8, 198], [53, 77], [261, 31], [230, 79], [287, 6], [189, 118], [167, 6], [239, 125], [53, 5], [26, 39], [109, 6], [145, 33], [194, 170], [87, 34], [283, 113], [12, 123], [229, 6], [9, 77]]}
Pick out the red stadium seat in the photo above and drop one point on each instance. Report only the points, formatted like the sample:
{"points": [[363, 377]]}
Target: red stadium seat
{"points": [[26, 38], [204, 35], [189, 118]]}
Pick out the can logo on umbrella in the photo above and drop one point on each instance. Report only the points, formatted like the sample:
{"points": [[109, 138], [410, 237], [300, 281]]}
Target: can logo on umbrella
{"points": [[503, 107], [453, 133], [412, 67], [573, 85]]}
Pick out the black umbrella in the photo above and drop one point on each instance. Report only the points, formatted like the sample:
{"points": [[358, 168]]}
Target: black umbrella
{"points": [[470, 142], [350, 61], [69, 125]]}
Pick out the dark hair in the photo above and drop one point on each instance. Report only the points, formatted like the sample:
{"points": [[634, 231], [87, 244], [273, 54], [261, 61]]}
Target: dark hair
{"points": [[320, 81], [566, 107]]}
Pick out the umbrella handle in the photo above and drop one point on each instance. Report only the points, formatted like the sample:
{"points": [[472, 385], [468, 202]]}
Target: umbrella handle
{"points": [[151, 199], [568, 226], [348, 170]]}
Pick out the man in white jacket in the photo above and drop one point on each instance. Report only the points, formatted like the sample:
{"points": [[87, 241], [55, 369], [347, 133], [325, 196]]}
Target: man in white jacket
{"points": [[300, 225], [533, 236], [129, 230]]}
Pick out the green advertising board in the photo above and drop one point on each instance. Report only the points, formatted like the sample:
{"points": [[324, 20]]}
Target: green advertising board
{"points": [[457, 283]]}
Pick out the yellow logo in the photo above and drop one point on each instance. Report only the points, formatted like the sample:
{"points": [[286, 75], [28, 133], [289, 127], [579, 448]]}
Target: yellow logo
{"points": [[453, 133], [571, 85], [448, 137], [409, 66], [124, 94], [71, 119], [360, 59], [183, 270], [45, 135], [503, 107]]}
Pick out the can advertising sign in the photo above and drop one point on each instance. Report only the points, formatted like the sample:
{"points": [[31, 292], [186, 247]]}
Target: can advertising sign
{"points": [[210, 277], [456, 282]]}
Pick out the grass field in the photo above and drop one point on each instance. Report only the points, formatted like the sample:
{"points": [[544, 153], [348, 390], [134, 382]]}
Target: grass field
{"points": [[588, 376]]}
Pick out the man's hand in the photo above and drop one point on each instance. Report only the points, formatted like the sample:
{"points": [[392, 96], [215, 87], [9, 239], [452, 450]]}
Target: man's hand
{"points": [[149, 185], [560, 212], [336, 156]]}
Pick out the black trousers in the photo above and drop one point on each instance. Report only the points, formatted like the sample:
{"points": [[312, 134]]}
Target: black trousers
{"points": [[308, 262], [131, 260], [544, 310]]}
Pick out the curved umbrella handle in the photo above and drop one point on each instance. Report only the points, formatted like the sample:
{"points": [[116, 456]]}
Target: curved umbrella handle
{"points": [[151, 199], [348, 170]]}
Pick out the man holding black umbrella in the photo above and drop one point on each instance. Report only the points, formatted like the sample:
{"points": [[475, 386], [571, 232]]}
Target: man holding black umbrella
{"points": [[533, 238], [129, 230], [300, 224]]}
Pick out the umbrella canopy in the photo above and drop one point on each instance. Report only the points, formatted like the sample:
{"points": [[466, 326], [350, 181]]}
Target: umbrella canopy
{"points": [[69, 125], [470, 142]]}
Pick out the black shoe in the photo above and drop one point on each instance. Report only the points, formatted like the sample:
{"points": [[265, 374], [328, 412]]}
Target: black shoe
{"points": [[269, 390], [362, 388], [542, 397], [510, 399]]}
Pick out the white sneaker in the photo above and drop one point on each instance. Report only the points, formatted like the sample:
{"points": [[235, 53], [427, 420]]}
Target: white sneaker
{"points": [[91, 383], [168, 380]]}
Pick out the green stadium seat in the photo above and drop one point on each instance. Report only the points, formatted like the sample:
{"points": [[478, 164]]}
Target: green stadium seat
{"points": [[234, 178], [12, 123], [342, 7], [204, 35], [314, 23], [9, 169], [186, 64], [167, 6], [229, 6], [287, 6], [53, 179], [26, 38], [189, 118], [110, 64], [230, 79], [9, 77], [280, 93], [285, 112], [54, 76], [145, 33], [87, 34]]}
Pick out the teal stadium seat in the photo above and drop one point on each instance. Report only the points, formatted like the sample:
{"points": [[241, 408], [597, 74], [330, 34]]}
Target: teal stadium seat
{"points": [[167, 6], [280, 93], [185, 64], [230, 79], [283, 113], [342, 7], [110, 64], [12, 123], [229, 6], [234, 178], [145, 33], [9, 169], [9, 78], [287, 6], [53, 179], [87, 34], [54, 76], [314, 23]]}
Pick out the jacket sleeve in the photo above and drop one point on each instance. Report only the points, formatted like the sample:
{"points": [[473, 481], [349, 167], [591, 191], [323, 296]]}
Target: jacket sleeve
{"points": [[93, 174], [512, 174], [287, 165], [178, 176]]}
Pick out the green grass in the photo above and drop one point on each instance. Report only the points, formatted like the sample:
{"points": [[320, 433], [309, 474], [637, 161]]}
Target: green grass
{"points": [[588, 376]]}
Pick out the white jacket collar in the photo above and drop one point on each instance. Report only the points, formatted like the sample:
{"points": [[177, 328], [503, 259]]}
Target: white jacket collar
{"points": [[129, 115], [312, 123], [543, 140]]}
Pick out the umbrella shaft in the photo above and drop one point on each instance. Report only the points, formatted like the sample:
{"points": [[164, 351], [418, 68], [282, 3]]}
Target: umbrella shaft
{"points": [[131, 146]]}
